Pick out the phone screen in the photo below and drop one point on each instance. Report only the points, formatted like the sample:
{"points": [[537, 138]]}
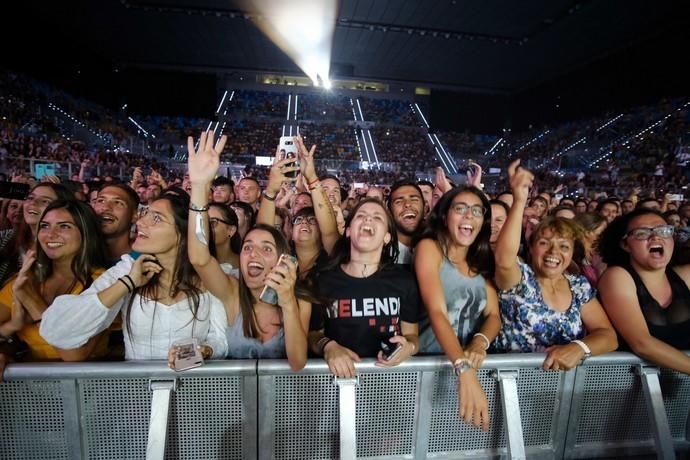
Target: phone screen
{"points": [[14, 190]]}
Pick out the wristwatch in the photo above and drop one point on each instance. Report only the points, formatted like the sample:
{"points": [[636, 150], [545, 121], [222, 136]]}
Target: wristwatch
{"points": [[585, 348], [461, 365]]}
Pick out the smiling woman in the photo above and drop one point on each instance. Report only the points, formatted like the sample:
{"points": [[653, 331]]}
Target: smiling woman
{"points": [[543, 308], [68, 257]]}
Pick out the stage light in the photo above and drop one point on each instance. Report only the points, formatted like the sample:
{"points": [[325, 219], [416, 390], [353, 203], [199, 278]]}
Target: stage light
{"points": [[303, 29]]}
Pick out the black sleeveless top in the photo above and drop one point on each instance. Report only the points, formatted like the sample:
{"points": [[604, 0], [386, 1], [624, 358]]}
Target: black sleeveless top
{"points": [[671, 324]]}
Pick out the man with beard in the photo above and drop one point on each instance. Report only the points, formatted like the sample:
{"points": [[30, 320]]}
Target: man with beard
{"points": [[406, 204], [223, 190], [117, 206]]}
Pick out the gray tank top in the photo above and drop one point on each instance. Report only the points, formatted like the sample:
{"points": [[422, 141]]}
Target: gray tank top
{"points": [[465, 301], [241, 347]]}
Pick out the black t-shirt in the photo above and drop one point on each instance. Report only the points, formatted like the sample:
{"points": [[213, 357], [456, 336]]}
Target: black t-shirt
{"points": [[365, 311]]}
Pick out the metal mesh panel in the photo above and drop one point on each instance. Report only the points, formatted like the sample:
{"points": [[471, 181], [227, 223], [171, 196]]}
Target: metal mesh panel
{"points": [[206, 418], [31, 421], [448, 432], [386, 414], [675, 388], [306, 417], [538, 392], [613, 407], [116, 417]]}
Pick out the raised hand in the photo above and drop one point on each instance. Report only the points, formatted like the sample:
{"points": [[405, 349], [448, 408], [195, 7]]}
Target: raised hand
{"points": [[23, 285], [521, 181], [283, 278], [203, 162], [474, 176], [442, 181], [277, 175], [306, 160]]}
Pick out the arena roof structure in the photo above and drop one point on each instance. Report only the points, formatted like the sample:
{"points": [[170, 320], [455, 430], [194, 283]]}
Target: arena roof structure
{"points": [[496, 46]]}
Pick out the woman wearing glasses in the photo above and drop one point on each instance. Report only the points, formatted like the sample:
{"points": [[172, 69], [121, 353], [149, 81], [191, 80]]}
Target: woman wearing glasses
{"points": [[647, 300], [544, 308], [159, 294], [454, 267], [226, 237]]}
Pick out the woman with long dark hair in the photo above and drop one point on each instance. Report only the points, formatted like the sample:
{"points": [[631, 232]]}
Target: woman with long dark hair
{"points": [[69, 255], [454, 267], [373, 303], [15, 242], [227, 241], [159, 294], [646, 298], [254, 328]]}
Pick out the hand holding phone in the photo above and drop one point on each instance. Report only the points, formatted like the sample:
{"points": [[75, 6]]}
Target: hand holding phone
{"points": [[390, 349], [185, 354], [287, 148], [268, 294]]}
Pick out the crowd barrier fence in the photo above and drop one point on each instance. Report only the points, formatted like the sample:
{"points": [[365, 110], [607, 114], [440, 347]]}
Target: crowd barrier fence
{"points": [[610, 406]]}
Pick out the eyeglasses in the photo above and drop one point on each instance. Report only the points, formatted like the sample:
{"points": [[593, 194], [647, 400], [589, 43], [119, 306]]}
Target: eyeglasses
{"points": [[150, 216], [311, 220], [644, 233], [463, 208], [214, 221]]}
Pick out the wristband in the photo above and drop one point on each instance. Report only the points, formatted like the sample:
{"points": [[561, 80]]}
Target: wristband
{"points": [[121, 280], [310, 184], [314, 187], [134, 286], [462, 365], [321, 344], [193, 207], [486, 339], [584, 347], [268, 197]]}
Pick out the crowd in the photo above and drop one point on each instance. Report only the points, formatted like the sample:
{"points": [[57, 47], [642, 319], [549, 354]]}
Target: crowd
{"points": [[301, 264], [389, 111], [324, 107]]}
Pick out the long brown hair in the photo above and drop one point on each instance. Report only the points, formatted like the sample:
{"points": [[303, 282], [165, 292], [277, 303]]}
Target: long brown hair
{"points": [[250, 325], [91, 254]]}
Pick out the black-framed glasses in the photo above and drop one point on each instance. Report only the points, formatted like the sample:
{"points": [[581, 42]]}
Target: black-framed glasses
{"points": [[644, 233], [311, 220], [463, 208], [214, 221]]}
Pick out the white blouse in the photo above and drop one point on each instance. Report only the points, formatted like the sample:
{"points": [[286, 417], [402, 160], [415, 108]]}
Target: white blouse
{"points": [[71, 320]]}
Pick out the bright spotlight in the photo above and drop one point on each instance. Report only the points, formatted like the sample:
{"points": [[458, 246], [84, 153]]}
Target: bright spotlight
{"points": [[303, 29]]}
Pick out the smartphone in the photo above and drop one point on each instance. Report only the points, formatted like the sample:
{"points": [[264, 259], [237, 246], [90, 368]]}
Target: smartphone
{"points": [[558, 196], [187, 355], [288, 149], [14, 190], [390, 349], [676, 197], [268, 294], [359, 185]]}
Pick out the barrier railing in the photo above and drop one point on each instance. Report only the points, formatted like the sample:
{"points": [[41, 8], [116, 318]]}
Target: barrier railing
{"points": [[613, 405]]}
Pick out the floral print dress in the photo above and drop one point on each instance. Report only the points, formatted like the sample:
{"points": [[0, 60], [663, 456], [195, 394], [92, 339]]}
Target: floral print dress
{"points": [[529, 324]]}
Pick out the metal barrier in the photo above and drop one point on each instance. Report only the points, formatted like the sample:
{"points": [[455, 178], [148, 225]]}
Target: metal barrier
{"points": [[611, 406]]}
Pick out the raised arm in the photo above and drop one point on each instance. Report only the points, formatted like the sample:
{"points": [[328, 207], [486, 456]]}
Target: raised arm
{"points": [[276, 177], [203, 166], [323, 210], [508, 244], [619, 298]]}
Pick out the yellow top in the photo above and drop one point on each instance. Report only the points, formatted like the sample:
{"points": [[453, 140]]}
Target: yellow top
{"points": [[39, 349]]}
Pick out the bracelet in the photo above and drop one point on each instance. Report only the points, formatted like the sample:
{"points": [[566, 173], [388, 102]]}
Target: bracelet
{"points": [[314, 187], [193, 207], [134, 286], [321, 344], [269, 197], [121, 280], [486, 339], [309, 184], [584, 347]]}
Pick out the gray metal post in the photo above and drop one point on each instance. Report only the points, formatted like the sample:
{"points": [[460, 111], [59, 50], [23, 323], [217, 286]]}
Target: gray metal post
{"points": [[656, 410], [347, 413], [507, 381], [158, 425]]}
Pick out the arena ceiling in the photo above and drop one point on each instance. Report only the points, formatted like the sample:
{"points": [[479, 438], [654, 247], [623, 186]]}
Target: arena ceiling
{"points": [[496, 46]]}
